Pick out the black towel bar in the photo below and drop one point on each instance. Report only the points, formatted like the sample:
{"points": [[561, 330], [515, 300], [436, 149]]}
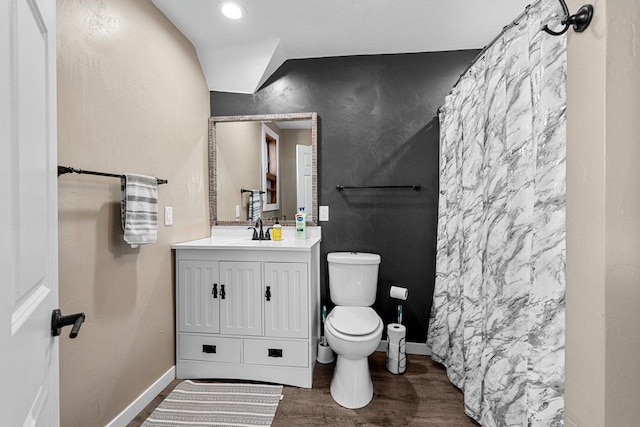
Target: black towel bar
{"points": [[242, 190], [415, 187], [66, 169]]}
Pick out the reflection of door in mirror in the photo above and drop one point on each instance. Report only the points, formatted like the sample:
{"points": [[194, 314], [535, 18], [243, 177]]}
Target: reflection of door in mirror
{"points": [[291, 138], [270, 171], [304, 196]]}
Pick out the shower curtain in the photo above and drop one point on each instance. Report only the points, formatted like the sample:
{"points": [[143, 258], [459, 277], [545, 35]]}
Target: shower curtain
{"points": [[497, 321]]}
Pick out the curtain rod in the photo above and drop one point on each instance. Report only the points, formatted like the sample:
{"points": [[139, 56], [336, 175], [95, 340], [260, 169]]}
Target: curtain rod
{"points": [[495, 39], [66, 169], [580, 22]]}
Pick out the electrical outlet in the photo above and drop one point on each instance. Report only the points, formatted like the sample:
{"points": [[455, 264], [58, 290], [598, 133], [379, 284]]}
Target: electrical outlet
{"points": [[324, 213], [168, 215]]}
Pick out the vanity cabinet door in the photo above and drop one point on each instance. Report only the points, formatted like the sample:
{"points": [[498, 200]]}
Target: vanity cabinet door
{"points": [[198, 296], [240, 298], [286, 312]]}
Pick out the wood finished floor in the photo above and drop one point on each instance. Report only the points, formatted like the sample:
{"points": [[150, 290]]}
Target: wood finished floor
{"points": [[422, 396]]}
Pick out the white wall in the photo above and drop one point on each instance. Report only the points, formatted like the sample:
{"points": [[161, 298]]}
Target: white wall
{"points": [[603, 218]]}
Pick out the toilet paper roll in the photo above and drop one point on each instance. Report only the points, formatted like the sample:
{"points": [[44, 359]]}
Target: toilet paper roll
{"points": [[396, 348], [393, 352], [399, 293]]}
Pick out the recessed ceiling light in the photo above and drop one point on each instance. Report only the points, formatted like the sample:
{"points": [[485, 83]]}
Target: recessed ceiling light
{"points": [[232, 10]]}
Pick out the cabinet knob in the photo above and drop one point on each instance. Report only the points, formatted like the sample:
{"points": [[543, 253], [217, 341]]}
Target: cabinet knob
{"points": [[267, 294], [222, 292], [214, 291]]}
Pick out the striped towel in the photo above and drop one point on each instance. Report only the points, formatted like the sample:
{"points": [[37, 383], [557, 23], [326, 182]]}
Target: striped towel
{"points": [[254, 205], [139, 209]]}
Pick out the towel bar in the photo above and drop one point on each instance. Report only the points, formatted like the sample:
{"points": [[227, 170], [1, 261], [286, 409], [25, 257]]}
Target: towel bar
{"points": [[415, 187], [242, 190], [66, 169]]}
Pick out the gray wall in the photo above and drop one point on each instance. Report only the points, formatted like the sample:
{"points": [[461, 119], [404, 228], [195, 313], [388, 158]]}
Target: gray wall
{"points": [[377, 126]]}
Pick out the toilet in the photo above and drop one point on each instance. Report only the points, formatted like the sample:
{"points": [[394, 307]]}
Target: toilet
{"points": [[353, 329]]}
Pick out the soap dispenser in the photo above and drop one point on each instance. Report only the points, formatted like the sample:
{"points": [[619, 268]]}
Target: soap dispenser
{"points": [[301, 224], [277, 231]]}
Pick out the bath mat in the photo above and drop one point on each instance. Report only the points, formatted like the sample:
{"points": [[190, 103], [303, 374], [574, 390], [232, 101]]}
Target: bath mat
{"points": [[214, 404]]}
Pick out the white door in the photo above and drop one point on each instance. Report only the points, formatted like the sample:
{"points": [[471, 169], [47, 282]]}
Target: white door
{"points": [[240, 298], [303, 178], [286, 313], [198, 301], [28, 218]]}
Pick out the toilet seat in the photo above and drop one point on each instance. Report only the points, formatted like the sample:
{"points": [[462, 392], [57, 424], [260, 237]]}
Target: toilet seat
{"points": [[351, 323]]}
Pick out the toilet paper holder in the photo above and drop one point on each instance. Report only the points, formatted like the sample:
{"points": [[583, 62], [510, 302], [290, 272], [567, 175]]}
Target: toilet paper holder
{"points": [[396, 362], [401, 362]]}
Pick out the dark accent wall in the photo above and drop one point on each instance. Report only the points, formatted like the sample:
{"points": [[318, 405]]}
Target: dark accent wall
{"points": [[377, 126]]}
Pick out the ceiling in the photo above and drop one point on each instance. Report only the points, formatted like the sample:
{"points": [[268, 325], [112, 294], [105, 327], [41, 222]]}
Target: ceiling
{"points": [[239, 56]]}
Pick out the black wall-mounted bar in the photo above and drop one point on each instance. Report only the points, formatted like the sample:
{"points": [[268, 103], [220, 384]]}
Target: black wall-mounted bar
{"points": [[242, 190], [66, 169], [415, 187]]}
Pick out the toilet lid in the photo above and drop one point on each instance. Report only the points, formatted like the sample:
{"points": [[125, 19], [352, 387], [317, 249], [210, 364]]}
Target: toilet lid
{"points": [[354, 320]]}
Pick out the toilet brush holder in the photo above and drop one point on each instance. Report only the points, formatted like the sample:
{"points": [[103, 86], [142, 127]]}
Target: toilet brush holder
{"points": [[325, 354]]}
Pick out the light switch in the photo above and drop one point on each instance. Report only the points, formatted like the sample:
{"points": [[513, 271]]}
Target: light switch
{"points": [[324, 213], [168, 215]]}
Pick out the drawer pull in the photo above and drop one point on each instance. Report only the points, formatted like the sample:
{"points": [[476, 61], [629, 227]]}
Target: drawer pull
{"points": [[275, 352], [208, 348], [214, 291], [267, 294], [222, 292]]}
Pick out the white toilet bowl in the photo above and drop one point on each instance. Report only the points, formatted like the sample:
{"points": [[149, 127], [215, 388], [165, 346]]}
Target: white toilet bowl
{"points": [[353, 333]]}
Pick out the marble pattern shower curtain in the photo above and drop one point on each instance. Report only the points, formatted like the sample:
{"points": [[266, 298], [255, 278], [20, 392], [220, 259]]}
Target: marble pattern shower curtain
{"points": [[497, 322]]}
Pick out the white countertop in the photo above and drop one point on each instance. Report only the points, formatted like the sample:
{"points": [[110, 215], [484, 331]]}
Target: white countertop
{"points": [[232, 237]]}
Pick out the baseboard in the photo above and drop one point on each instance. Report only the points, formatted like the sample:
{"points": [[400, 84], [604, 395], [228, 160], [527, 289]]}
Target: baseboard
{"points": [[130, 412], [412, 348]]}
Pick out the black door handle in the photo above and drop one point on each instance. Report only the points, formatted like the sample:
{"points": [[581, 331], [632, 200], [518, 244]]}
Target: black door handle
{"points": [[267, 294], [58, 321], [214, 291], [222, 292]]}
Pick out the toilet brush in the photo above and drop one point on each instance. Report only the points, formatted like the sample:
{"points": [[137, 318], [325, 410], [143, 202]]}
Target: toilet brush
{"points": [[325, 354], [324, 318]]}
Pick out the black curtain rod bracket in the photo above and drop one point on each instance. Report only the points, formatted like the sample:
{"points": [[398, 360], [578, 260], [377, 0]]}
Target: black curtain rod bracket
{"points": [[580, 20], [66, 169], [415, 187]]}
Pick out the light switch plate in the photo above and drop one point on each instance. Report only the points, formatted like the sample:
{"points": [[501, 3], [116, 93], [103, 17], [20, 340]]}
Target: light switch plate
{"points": [[168, 215], [323, 213]]}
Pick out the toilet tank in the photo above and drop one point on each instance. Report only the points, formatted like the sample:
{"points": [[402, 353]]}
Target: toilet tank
{"points": [[353, 278]]}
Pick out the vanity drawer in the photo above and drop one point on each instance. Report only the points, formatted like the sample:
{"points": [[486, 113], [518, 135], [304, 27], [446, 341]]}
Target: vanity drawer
{"points": [[209, 348], [280, 353]]}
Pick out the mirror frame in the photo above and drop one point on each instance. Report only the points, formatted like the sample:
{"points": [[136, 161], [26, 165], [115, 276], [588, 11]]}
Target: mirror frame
{"points": [[213, 200]]}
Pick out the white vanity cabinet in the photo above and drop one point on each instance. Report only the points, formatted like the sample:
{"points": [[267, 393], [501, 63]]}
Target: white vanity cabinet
{"points": [[247, 312]]}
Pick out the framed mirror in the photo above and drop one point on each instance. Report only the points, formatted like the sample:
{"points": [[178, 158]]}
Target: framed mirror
{"points": [[263, 166]]}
